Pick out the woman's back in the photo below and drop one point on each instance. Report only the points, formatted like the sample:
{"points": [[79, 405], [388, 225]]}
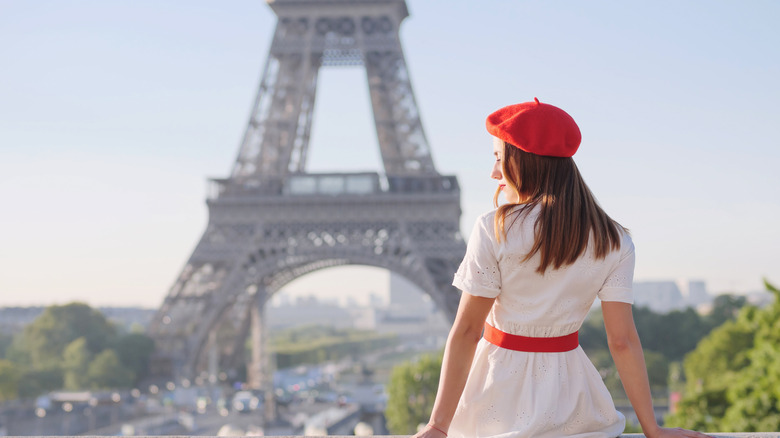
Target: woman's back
{"points": [[532, 304]]}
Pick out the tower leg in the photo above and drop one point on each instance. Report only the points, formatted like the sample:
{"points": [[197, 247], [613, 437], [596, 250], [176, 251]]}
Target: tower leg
{"points": [[213, 361], [260, 371]]}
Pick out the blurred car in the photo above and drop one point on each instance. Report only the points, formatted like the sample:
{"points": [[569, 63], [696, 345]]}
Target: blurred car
{"points": [[245, 401]]}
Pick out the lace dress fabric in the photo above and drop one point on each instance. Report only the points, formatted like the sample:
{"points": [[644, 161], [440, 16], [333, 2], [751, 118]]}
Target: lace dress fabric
{"points": [[514, 394]]}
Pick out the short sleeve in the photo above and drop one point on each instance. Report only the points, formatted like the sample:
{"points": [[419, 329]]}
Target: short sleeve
{"points": [[478, 273], [619, 283]]}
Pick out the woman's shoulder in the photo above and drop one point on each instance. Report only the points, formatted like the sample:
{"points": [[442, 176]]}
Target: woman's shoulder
{"points": [[488, 216], [485, 222], [626, 242], [518, 214]]}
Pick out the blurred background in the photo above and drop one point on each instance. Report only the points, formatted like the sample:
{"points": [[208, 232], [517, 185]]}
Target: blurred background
{"points": [[112, 116]]}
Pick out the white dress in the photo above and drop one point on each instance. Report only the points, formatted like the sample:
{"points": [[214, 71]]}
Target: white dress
{"points": [[541, 395]]}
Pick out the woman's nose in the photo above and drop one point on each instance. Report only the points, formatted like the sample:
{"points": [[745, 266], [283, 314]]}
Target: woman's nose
{"points": [[496, 173]]}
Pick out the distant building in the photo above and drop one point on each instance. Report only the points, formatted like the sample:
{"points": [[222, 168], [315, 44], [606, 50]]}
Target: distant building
{"points": [[694, 293], [407, 296], [668, 295], [363, 318], [307, 311], [375, 300], [412, 315]]}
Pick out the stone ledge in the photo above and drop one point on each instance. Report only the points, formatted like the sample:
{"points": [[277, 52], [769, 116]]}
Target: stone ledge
{"points": [[627, 435]]}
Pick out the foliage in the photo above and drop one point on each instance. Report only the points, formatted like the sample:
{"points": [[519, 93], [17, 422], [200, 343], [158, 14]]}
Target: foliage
{"points": [[657, 372], [657, 369], [76, 359], [755, 395], [411, 393], [9, 380], [5, 342], [632, 428], [17, 353], [36, 382], [671, 334], [134, 350], [603, 362], [42, 343], [316, 344], [592, 335], [726, 307], [75, 347], [733, 381], [106, 372]]}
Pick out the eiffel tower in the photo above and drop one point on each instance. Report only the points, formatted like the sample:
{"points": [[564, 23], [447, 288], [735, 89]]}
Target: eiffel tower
{"points": [[271, 222]]}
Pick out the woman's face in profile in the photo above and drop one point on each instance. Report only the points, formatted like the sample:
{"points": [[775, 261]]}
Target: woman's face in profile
{"points": [[498, 174]]}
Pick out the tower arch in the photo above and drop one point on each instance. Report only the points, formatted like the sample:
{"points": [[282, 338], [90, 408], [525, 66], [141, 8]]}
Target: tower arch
{"points": [[271, 221]]}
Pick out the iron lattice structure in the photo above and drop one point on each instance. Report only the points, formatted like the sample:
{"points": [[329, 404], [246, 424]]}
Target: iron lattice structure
{"points": [[271, 222]]}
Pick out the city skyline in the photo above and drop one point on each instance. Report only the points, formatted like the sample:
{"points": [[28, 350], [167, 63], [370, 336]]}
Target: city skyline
{"points": [[112, 116]]}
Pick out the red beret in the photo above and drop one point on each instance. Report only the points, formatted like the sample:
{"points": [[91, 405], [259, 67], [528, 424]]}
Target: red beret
{"points": [[537, 128]]}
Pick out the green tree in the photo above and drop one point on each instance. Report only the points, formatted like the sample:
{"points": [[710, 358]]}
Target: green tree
{"points": [[592, 335], [411, 394], [34, 382], [724, 308], [43, 342], [755, 396], [5, 342], [76, 347], [17, 352], [657, 372], [9, 380], [134, 350], [106, 372], [76, 358], [672, 334], [316, 344], [733, 382], [657, 369], [602, 360]]}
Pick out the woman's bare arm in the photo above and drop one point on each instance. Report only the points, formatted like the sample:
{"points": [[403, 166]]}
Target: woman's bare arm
{"points": [[458, 354], [629, 359]]}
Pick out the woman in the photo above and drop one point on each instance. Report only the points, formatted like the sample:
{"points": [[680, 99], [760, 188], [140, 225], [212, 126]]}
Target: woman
{"points": [[532, 270]]}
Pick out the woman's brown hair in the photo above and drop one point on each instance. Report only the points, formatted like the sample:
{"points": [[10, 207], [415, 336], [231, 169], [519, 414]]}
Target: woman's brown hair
{"points": [[569, 212]]}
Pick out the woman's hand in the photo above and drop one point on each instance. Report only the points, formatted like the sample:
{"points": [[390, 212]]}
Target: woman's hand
{"points": [[430, 432], [677, 432]]}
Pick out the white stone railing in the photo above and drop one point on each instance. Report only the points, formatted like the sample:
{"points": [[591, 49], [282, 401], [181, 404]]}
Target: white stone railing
{"points": [[628, 435]]}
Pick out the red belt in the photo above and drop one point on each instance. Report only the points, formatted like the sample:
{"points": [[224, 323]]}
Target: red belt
{"points": [[534, 345]]}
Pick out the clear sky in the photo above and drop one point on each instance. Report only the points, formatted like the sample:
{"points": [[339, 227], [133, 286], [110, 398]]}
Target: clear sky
{"points": [[113, 114]]}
